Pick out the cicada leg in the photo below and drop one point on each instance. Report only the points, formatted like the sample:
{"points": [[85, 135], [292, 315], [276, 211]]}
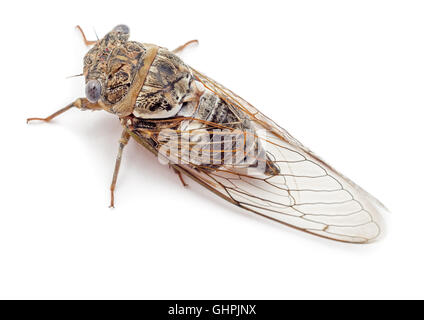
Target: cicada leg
{"points": [[80, 103], [180, 176], [125, 137], [194, 95], [181, 48], [87, 42]]}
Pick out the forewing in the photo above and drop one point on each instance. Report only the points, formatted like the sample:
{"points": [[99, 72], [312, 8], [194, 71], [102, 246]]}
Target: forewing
{"points": [[306, 194]]}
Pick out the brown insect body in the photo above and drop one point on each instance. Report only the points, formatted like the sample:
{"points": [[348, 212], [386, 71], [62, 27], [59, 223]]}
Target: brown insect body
{"points": [[175, 111], [167, 91], [121, 67]]}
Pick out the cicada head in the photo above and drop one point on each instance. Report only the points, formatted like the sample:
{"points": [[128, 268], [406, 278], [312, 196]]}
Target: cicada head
{"points": [[110, 66]]}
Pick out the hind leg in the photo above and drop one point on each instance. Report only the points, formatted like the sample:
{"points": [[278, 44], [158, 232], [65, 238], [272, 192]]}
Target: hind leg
{"points": [[181, 177]]}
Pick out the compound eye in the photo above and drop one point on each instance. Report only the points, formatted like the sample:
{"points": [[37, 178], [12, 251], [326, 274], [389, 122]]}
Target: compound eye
{"points": [[122, 28], [93, 89]]}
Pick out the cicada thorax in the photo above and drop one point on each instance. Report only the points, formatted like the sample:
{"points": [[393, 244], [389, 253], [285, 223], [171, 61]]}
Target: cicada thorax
{"points": [[121, 70], [166, 85], [119, 67], [101, 61]]}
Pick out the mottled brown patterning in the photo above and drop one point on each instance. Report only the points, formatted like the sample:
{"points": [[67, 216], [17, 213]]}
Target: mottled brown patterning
{"points": [[166, 85], [174, 111]]}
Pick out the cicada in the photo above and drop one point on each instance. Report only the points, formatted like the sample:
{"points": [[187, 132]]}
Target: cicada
{"points": [[206, 132]]}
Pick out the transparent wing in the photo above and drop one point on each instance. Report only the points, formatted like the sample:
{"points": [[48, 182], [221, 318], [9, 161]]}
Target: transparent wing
{"points": [[306, 194]]}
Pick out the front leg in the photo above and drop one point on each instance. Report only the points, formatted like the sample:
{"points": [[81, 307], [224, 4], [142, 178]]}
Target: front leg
{"points": [[182, 47], [80, 103], [125, 137], [87, 42]]}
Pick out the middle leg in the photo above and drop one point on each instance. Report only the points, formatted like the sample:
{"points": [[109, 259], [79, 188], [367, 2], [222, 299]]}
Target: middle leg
{"points": [[125, 137]]}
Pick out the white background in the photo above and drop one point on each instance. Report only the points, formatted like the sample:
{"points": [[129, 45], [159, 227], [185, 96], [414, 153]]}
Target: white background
{"points": [[344, 77]]}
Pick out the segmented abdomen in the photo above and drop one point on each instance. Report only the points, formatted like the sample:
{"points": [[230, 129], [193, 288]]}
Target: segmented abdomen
{"points": [[224, 132]]}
